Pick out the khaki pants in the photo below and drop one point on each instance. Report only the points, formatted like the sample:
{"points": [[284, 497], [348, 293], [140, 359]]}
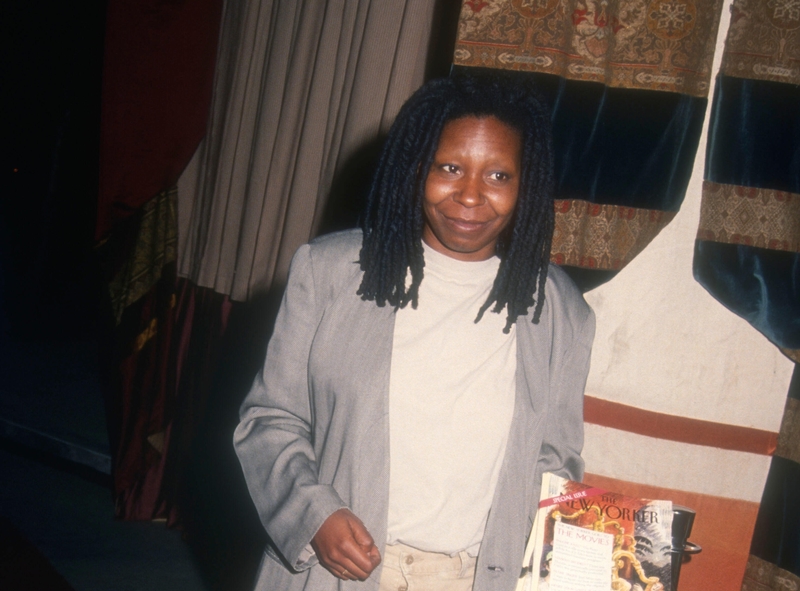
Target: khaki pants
{"points": [[409, 569]]}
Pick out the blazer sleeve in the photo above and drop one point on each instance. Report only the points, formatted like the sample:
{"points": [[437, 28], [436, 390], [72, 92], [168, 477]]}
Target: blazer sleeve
{"points": [[274, 439], [572, 347]]}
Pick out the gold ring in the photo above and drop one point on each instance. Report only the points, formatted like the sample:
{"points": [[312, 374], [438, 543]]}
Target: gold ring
{"points": [[344, 573]]}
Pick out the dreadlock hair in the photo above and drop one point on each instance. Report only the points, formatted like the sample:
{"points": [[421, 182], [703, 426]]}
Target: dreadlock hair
{"points": [[394, 219]]}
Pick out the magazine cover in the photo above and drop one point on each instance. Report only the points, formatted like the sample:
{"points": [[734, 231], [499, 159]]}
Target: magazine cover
{"points": [[588, 539]]}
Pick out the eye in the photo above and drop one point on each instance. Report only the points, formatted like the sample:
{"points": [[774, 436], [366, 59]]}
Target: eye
{"points": [[450, 168], [500, 176]]}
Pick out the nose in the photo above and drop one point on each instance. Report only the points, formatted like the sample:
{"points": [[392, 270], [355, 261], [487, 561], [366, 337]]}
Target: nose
{"points": [[470, 191]]}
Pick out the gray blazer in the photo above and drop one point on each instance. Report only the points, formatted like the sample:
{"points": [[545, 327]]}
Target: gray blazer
{"points": [[314, 430]]}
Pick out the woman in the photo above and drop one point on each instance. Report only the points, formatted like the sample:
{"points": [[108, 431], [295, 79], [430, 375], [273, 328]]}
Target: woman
{"points": [[404, 444]]}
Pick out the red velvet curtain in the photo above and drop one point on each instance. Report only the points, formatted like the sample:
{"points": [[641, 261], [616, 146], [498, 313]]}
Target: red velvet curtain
{"points": [[158, 74], [165, 353], [157, 85]]}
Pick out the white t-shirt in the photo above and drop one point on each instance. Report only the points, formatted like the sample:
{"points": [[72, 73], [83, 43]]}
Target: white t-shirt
{"points": [[451, 400]]}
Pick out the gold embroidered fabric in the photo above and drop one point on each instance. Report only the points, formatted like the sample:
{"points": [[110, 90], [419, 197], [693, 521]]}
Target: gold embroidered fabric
{"points": [[764, 41], [156, 246], [761, 575], [665, 45], [763, 218], [603, 236]]}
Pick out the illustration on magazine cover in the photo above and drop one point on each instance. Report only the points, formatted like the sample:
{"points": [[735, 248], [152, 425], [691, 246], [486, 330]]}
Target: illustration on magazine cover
{"points": [[588, 539]]}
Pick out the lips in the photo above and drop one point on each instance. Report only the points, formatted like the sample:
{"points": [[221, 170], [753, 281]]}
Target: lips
{"points": [[466, 225]]}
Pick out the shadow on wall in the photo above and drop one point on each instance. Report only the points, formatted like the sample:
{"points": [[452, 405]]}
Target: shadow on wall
{"points": [[348, 196]]}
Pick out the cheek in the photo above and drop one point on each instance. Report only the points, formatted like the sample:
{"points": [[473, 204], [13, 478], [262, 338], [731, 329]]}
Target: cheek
{"points": [[434, 193], [429, 209], [505, 203]]}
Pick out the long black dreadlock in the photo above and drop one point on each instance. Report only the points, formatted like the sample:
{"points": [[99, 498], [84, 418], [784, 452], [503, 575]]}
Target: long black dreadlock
{"points": [[394, 218]]}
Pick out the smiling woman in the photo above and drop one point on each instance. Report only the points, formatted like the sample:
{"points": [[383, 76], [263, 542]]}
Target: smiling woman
{"points": [[404, 443], [394, 220], [471, 189]]}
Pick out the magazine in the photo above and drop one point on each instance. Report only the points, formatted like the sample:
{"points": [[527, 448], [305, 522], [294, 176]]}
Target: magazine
{"points": [[588, 539]]}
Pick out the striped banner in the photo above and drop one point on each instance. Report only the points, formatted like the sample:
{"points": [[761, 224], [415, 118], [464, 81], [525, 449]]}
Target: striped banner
{"points": [[715, 469]]}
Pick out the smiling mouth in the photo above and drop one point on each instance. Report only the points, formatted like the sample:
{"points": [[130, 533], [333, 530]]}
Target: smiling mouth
{"points": [[466, 225]]}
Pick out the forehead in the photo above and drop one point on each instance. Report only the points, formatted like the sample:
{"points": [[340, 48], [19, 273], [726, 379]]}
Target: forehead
{"points": [[464, 131]]}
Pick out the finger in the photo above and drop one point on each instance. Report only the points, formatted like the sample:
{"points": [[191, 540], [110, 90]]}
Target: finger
{"points": [[364, 539], [341, 573], [353, 554], [340, 570], [374, 556], [360, 532], [343, 567], [349, 570], [344, 574]]}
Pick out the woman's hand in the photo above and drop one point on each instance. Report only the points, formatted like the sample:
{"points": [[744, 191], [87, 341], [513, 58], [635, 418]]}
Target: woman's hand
{"points": [[344, 547]]}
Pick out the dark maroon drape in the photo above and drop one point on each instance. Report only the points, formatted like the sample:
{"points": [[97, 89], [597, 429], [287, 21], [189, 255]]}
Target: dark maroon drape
{"points": [[157, 84], [165, 353], [158, 74]]}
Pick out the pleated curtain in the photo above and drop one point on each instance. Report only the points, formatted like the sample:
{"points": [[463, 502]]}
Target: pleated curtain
{"points": [[296, 92], [300, 87]]}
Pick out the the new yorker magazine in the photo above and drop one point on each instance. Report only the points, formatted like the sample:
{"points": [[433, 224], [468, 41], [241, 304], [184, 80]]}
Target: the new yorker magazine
{"points": [[587, 539]]}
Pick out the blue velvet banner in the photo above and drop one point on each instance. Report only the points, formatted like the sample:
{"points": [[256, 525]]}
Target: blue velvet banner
{"points": [[620, 146], [754, 144], [760, 285], [754, 134]]}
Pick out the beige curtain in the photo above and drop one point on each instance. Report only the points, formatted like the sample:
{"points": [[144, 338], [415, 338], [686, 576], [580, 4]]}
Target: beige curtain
{"points": [[300, 86]]}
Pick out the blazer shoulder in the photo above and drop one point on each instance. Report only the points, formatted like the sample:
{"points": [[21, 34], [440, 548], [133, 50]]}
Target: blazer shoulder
{"points": [[333, 260], [560, 282], [565, 295], [337, 247]]}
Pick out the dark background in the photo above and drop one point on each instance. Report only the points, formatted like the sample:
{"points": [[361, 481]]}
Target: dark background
{"points": [[54, 510], [51, 63]]}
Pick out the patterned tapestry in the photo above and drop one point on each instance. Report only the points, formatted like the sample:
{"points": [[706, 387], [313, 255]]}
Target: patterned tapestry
{"points": [[663, 45], [628, 81], [747, 253]]}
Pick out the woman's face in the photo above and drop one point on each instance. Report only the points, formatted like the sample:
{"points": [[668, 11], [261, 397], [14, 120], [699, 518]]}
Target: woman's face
{"points": [[472, 187]]}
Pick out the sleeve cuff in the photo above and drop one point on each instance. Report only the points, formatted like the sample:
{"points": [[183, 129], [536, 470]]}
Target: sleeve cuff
{"points": [[307, 559]]}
